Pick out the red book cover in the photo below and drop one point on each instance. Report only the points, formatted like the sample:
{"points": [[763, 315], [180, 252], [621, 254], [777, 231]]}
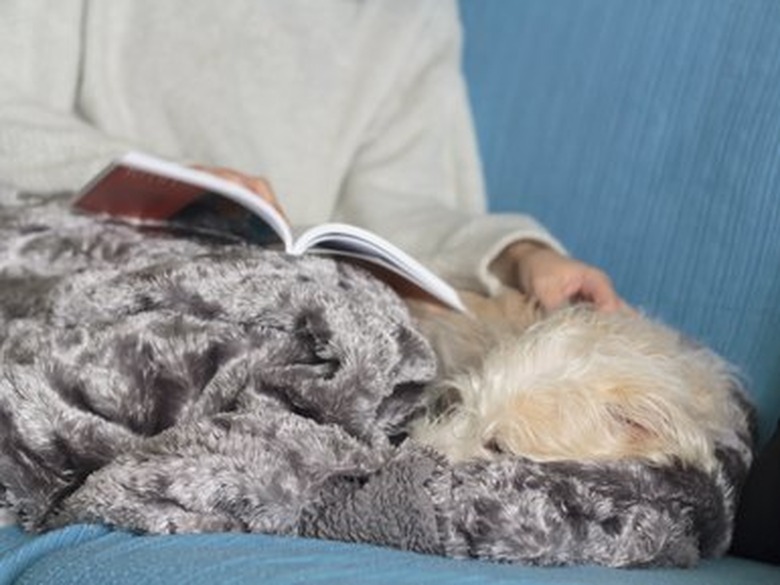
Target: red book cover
{"points": [[126, 192]]}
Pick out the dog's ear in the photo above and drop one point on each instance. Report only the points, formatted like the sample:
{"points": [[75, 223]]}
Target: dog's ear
{"points": [[458, 339], [509, 311], [635, 430], [461, 340], [656, 428]]}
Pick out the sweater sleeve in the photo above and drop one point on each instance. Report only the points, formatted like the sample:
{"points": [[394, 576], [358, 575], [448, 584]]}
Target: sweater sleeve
{"points": [[417, 177], [45, 144]]}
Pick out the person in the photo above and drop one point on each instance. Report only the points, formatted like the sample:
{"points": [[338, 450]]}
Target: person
{"points": [[352, 110]]}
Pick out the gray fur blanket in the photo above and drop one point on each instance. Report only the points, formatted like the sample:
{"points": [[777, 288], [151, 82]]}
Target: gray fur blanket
{"points": [[170, 384]]}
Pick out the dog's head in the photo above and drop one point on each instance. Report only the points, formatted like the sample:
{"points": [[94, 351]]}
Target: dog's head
{"points": [[585, 385]]}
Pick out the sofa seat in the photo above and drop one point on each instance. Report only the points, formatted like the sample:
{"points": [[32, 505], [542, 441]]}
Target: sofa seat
{"points": [[92, 554]]}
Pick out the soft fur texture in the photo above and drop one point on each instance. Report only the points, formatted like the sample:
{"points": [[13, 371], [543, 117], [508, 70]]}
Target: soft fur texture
{"points": [[575, 385], [168, 384]]}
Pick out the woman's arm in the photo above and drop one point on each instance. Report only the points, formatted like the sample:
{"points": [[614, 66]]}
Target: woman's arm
{"points": [[45, 144]]}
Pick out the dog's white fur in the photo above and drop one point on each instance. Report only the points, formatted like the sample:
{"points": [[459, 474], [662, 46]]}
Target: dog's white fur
{"points": [[575, 385]]}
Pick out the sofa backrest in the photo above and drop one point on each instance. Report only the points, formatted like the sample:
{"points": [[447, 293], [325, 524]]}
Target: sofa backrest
{"points": [[646, 136]]}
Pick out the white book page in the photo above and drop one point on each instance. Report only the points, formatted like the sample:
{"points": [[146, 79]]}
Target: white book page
{"points": [[244, 197], [348, 240]]}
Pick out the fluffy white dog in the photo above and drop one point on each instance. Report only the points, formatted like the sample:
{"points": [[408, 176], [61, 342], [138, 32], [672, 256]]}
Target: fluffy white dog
{"points": [[575, 385]]}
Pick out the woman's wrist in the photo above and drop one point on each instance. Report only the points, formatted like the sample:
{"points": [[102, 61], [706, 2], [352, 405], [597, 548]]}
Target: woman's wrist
{"points": [[508, 264]]}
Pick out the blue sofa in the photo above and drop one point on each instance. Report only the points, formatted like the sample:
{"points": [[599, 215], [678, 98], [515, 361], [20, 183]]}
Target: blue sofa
{"points": [[646, 134]]}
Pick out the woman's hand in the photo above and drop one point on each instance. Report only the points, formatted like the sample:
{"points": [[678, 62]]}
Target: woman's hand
{"points": [[257, 185], [553, 279]]}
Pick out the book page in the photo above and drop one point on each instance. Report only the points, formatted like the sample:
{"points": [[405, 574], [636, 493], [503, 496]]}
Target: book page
{"points": [[139, 186], [351, 241]]}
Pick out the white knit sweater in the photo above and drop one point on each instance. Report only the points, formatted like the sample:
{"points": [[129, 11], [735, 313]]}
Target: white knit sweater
{"points": [[354, 110]]}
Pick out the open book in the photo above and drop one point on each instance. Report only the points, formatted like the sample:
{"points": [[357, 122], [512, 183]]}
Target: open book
{"points": [[140, 187]]}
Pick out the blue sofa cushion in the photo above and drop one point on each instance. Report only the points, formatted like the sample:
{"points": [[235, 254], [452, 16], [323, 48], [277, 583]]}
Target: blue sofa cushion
{"points": [[91, 554]]}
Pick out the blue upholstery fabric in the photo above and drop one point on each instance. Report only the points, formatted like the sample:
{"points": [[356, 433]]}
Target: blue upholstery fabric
{"points": [[86, 554], [646, 135]]}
